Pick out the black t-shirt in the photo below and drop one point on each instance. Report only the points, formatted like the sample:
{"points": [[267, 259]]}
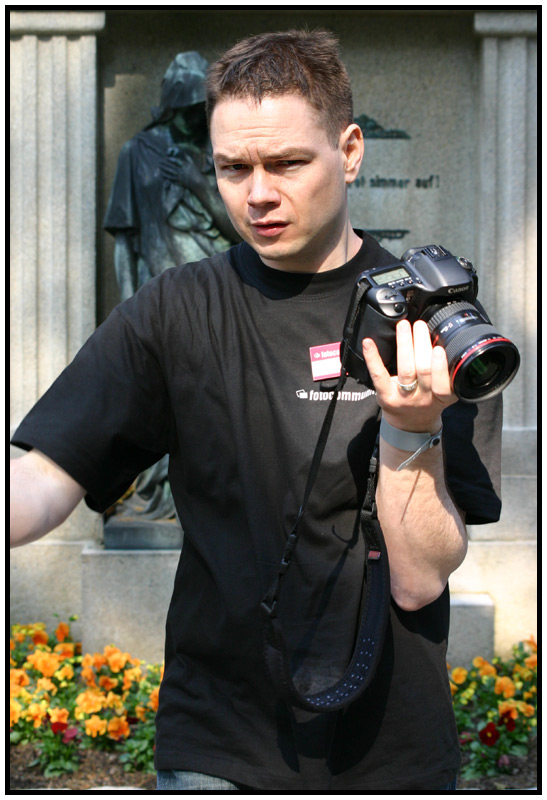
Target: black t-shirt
{"points": [[211, 363]]}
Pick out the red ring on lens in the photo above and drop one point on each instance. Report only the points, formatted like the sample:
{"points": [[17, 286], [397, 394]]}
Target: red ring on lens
{"points": [[476, 347]]}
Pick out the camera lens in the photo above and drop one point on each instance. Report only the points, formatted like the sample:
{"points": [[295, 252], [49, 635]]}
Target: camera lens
{"points": [[481, 361]]}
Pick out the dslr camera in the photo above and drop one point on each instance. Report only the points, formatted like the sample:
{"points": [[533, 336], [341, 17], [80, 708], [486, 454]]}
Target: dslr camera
{"points": [[429, 284]]}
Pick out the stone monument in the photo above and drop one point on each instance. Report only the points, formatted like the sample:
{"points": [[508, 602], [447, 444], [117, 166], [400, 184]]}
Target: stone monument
{"points": [[164, 211]]}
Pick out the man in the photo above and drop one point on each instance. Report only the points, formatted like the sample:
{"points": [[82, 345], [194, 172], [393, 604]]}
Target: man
{"points": [[213, 364]]}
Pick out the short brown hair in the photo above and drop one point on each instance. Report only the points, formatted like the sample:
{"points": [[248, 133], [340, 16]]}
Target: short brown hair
{"points": [[290, 62]]}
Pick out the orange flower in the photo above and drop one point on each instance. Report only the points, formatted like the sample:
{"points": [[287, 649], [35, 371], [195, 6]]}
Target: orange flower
{"points": [[484, 666], [46, 685], [107, 683], [59, 714], [17, 679], [98, 660], [130, 675], [117, 661], [63, 629], [46, 663], [459, 674], [88, 676], [531, 661], [453, 688], [65, 649], [532, 644], [35, 712], [508, 708], [40, 637], [154, 699], [526, 709], [140, 713], [89, 701], [95, 726], [504, 686], [118, 727]]}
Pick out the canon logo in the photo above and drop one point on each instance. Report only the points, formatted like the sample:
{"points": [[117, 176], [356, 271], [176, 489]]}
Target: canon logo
{"points": [[455, 289]]}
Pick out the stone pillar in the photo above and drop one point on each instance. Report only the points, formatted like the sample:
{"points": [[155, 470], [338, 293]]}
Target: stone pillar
{"points": [[507, 194], [502, 558], [53, 167], [53, 132]]}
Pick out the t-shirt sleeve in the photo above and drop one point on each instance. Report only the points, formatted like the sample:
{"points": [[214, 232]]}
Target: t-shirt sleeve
{"points": [[106, 418], [472, 447]]}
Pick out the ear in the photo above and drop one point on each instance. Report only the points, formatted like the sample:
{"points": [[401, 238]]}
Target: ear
{"points": [[352, 145]]}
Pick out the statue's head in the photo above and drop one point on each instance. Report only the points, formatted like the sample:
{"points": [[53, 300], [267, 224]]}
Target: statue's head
{"points": [[183, 85]]}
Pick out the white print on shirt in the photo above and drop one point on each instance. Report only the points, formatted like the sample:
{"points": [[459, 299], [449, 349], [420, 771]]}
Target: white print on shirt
{"points": [[313, 395], [325, 361]]}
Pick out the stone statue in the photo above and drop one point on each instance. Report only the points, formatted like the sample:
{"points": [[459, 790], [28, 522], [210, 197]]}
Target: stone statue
{"points": [[164, 208], [165, 211]]}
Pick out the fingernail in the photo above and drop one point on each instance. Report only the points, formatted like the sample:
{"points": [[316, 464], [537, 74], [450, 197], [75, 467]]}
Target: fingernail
{"points": [[367, 343]]}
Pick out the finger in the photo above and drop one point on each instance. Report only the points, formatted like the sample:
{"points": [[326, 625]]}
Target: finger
{"points": [[422, 354], [441, 385], [378, 373], [406, 367]]}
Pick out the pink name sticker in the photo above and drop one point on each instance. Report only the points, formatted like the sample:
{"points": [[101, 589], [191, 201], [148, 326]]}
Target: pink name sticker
{"points": [[325, 361]]}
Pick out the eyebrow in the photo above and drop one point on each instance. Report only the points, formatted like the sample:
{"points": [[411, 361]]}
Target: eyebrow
{"points": [[290, 154]]}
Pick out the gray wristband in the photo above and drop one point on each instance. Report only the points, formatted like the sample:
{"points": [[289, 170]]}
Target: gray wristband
{"points": [[416, 443]]}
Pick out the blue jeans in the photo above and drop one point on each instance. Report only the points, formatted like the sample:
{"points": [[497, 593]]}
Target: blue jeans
{"points": [[183, 781]]}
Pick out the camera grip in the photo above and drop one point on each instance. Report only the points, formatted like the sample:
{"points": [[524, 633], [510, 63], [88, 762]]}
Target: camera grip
{"points": [[381, 329]]}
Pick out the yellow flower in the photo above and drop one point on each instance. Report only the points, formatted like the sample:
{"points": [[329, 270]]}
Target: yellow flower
{"points": [[459, 674], [113, 701], [95, 726], [35, 712], [504, 686], [66, 673], [15, 710], [118, 727]]}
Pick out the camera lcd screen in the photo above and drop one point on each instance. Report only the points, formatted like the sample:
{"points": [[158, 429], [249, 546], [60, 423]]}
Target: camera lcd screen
{"points": [[392, 275]]}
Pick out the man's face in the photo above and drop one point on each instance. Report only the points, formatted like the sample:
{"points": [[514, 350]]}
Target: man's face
{"points": [[282, 181]]}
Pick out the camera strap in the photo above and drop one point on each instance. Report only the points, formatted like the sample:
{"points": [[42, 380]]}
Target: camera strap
{"points": [[375, 605]]}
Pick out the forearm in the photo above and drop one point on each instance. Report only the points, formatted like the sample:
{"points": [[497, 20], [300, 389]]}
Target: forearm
{"points": [[424, 531], [42, 496]]}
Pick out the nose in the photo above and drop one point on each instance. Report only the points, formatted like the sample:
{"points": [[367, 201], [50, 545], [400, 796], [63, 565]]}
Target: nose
{"points": [[262, 189]]}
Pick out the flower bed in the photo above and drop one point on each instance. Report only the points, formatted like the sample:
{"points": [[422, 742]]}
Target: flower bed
{"points": [[495, 707], [64, 702]]}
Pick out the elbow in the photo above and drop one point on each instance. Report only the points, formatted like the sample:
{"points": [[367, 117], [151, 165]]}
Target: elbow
{"points": [[413, 598]]}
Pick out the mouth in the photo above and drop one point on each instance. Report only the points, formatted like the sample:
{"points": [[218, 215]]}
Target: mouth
{"points": [[268, 229]]}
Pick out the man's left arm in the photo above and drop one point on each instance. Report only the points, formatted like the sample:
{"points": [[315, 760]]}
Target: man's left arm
{"points": [[424, 531]]}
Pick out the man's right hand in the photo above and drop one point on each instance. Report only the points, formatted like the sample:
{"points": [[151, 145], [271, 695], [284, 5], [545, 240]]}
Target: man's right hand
{"points": [[42, 495]]}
